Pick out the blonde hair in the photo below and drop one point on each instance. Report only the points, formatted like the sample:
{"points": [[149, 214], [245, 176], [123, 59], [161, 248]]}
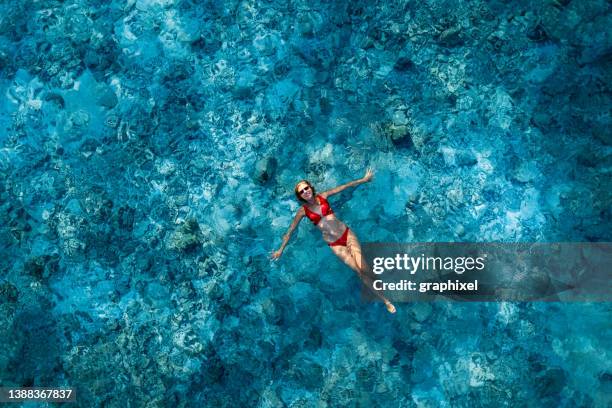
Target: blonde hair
{"points": [[297, 193]]}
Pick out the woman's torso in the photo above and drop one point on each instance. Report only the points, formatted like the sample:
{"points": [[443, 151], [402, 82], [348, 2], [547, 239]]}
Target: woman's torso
{"points": [[331, 227]]}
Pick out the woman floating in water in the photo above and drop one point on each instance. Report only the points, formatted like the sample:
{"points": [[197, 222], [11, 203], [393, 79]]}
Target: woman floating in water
{"points": [[338, 236]]}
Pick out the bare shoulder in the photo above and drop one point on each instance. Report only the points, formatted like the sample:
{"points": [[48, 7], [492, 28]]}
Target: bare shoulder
{"points": [[300, 212], [324, 194]]}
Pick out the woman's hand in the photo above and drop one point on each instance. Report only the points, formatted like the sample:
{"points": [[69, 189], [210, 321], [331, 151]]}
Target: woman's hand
{"points": [[276, 254], [368, 175]]}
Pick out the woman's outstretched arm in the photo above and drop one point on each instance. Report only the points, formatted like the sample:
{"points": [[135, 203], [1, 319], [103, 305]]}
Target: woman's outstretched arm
{"points": [[296, 220], [368, 176]]}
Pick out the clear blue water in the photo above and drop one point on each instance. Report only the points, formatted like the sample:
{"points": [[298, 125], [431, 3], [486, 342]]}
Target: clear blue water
{"points": [[148, 155]]}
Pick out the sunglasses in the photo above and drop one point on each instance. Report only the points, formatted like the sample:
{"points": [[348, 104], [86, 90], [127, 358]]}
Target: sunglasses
{"points": [[304, 189]]}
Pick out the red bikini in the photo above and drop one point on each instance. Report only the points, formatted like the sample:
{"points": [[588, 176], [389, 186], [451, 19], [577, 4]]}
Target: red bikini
{"points": [[325, 210], [341, 240]]}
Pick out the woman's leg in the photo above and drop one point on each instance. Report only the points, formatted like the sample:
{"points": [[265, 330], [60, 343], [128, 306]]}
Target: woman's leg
{"points": [[345, 255], [354, 247]]}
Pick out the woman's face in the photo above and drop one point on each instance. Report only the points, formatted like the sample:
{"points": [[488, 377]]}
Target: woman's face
{"points": [[305, 191]]}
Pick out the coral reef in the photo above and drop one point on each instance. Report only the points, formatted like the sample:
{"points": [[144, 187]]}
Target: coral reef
{"points": [[148, 153]]}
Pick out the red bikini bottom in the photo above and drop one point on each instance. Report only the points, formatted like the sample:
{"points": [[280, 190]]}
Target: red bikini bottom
{"points": [[341, 240]]}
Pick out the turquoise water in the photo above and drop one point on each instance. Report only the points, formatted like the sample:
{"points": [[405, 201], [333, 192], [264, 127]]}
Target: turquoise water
{"points": [[149, 151]]}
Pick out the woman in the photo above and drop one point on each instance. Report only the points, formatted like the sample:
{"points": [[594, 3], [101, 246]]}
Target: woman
{"points": [[339, 237]]}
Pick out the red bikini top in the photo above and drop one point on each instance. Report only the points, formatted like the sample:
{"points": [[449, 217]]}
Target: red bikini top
{"points": [[325, 210]]}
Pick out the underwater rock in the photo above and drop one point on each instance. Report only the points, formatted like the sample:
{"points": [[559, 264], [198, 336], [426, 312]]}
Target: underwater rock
{"points": [[550, 382], [55, 98], [244, 84], [542, 120], [41, 267], [112, 121], [8, 292], [465, 158], [73, 246], [185, 238], [451, 37], [398, 132], [605, 378], [459, 230], [421, 311], [400, 136], [88, 147], [176, 71], [79, 118], [96, 203], [185, 339], [419, 136], [282, 67], [309, 23], [265, 44], [5, 61], [403, 64], [462, 158], [455, 193], [325, 105], [125, 217], [491, 193], [280, 96], [107, 98], [525, 172], [603, 134], [400, 118], [165, 166], [265, 169], [157, 294], [537, 34], [303, 297]]}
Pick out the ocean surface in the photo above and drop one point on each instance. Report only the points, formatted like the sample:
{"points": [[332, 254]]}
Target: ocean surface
{"points": [[148, 155]]}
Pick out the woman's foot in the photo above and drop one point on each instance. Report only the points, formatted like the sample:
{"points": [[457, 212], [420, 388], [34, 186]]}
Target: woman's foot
{"points": [[390, 306]]}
